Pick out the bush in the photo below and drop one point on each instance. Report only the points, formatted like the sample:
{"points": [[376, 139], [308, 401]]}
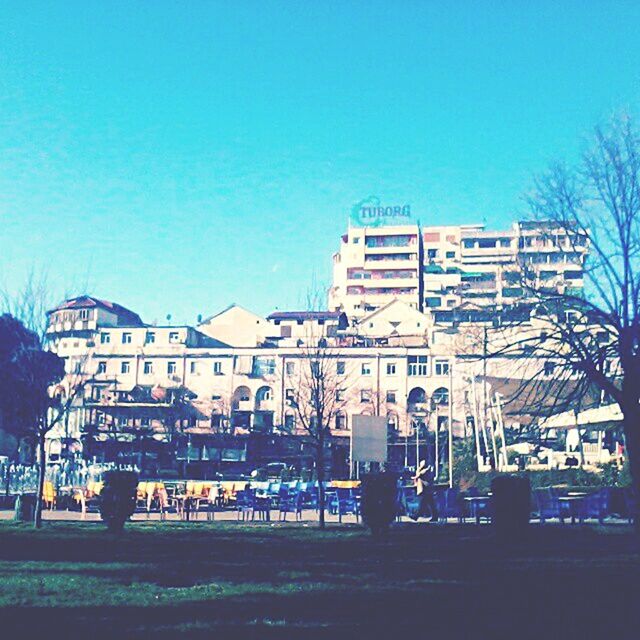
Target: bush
{"points": [[379, 508], [118, 498]]}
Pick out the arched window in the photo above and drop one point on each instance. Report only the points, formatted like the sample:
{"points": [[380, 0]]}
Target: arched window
{"points": [[264, 394], [417, 395], [441, 395]]}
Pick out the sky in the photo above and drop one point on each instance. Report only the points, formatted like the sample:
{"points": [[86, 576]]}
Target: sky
{"points": [[177, 157]]}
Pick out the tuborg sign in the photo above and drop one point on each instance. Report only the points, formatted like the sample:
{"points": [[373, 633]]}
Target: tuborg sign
{"points": [[370, 213]]}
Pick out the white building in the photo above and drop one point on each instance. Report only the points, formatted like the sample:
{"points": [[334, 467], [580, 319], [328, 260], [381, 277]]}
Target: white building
{"points": [[448, 267]]}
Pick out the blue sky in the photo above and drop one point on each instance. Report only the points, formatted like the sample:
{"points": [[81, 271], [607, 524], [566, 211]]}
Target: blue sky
{"points": [[180, 156]]}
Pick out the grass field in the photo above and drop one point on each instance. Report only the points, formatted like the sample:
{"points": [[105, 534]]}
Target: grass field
{"points": [[234, 580]]}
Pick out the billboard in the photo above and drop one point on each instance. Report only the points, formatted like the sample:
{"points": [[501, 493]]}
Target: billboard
{"points": [[369, 439], [371, 212]]}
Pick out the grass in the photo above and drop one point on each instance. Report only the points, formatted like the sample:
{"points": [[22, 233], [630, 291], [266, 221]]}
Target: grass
{"points": [[235, 580]]}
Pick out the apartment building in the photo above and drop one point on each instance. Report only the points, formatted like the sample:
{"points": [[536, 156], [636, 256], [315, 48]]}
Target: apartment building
{"points": [[180, 392], [451, 267]]}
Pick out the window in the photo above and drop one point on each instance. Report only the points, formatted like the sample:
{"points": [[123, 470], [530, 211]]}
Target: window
{"points": [[339, 395], [441, 396], [391, 368], [451, 254], [148, 367], [366, 369], [341, 421], [391, 397], [96, 393], [356, 241], [102, 367], [442, 367], [174, 336], [340, 367], [290, 422], [126, 338], [365, 395], [263, 366], [432, 253], [418, 365], [144, 422], [193, 367], [84, 314], [105, 338], [150, 338], [217, 367], [288, 394], [125, 367], [171, 367], [290, 368], [549, 368]]}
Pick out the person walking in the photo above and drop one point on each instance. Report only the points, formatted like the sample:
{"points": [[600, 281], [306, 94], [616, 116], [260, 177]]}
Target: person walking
{"points": [[424, 489]]}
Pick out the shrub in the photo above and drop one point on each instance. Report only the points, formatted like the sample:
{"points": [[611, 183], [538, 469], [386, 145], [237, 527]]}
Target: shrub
{"points": [[118, 498], [379, 494]]}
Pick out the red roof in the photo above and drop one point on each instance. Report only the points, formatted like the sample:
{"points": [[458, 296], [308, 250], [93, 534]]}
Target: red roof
{"points": [[89, 302]]}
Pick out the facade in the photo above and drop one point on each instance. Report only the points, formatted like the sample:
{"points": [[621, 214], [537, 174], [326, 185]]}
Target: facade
{"points": [[452, 267], [167, 393]]}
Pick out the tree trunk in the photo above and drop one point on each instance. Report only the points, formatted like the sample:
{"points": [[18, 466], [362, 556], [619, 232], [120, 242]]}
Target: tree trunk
{"points": [[41, 475], [632, 441], [320, 468]]}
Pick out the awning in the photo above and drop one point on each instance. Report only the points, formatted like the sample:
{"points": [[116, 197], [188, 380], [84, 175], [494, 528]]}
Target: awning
{"points": [[605, 417]]}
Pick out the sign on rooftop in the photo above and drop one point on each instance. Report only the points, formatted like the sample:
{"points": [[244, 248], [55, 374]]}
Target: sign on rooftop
{"points": [[371, 212]]}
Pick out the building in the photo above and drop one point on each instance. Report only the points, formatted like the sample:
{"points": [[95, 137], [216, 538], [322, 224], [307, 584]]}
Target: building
{"points": [[453, 267], [165, 395]]}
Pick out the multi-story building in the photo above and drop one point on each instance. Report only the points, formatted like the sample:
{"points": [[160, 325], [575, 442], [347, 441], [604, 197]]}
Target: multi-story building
{"points": [[161, 393], [451, 267]]}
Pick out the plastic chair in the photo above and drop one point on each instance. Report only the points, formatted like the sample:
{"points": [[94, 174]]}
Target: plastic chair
{"points": [[345, 503], [595, 505], [548, 506]]}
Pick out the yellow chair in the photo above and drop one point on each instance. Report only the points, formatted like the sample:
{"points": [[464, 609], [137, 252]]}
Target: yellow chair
{"points": [[49, 494]]}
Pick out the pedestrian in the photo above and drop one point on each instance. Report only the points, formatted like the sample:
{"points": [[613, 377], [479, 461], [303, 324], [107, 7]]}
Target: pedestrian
{"points": [[424, 489]]}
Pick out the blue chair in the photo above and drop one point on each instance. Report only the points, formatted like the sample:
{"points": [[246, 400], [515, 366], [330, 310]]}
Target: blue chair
{"points": [[548, 506], [595, 506], [290, 501], [244, 504], [345, 502], [449, 505], [629, 503], [410, 501]]}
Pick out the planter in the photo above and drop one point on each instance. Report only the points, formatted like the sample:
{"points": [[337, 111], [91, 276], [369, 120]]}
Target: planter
{"points": [[25, 509], [510, 505], [379, 501]]}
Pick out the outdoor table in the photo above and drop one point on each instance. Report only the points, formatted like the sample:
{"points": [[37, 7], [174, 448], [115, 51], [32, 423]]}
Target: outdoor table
{"points": [[475, 503], [263, 502], [572, 501]]}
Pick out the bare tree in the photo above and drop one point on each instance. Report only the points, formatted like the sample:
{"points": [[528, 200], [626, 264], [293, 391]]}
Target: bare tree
{"points": [[583, 345], [30, 303], [318, 396]]}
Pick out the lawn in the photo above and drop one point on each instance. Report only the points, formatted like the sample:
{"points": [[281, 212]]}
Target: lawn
{"points": [[260, 580]]}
